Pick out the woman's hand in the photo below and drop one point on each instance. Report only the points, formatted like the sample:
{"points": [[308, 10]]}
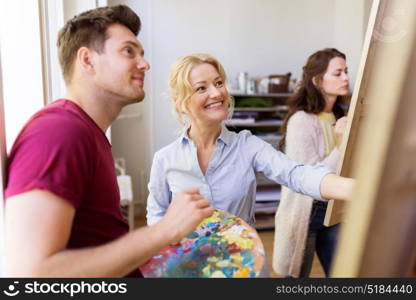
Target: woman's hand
{"points": [[340, 127]]}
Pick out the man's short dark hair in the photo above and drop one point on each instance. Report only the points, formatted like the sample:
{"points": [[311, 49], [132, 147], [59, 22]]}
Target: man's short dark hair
{"points": [[89, 29]]}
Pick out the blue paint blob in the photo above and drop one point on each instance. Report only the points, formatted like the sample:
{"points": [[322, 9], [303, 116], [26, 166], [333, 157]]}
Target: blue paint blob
{"points": [[193, 235]]}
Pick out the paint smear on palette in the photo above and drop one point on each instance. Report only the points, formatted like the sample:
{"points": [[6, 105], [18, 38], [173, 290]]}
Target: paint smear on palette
{"points": [[221, 246]]}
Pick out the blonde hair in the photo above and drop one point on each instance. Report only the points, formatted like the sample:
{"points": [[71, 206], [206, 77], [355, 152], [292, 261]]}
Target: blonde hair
{"points": [[181, 89]]}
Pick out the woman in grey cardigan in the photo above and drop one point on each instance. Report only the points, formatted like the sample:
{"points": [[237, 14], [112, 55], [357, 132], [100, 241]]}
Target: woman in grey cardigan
{"points": [[309, 137]]}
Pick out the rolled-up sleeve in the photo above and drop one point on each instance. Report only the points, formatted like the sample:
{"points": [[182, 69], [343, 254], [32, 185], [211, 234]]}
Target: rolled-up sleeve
{"points": [[276, 166], [159, 193]]}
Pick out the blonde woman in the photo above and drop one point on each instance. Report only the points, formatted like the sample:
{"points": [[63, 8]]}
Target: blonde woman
{"points": [[220, 163]]}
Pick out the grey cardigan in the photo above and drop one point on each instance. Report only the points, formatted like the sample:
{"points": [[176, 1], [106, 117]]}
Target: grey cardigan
{"points": [[304, 143]]}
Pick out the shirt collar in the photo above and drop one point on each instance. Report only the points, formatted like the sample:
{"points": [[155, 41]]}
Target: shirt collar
{"points": [[226, 136]]}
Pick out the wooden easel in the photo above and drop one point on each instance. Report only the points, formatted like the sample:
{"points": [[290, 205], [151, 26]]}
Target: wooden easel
{"points": [[356, 114], [378, 237]]}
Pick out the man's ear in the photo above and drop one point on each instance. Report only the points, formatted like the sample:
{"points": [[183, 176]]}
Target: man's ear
{"points": [[85, 59]]}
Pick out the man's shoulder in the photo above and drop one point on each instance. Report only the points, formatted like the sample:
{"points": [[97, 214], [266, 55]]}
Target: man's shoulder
{"points": [[55, 127], [57, 121], [62, 114]]}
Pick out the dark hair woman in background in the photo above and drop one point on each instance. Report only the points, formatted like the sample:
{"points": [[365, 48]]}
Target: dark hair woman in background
{"points": [[311, 135]]}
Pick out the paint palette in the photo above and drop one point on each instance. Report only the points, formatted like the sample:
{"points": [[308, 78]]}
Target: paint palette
{"points": [[222, 245]]}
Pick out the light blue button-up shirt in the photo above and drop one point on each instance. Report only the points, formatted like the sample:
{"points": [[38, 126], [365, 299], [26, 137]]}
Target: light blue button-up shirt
{"points": [[230, 180]]}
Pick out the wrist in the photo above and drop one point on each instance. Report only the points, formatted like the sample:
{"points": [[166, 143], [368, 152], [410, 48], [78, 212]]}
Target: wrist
{"points": [[164, 232], [338, 144]]}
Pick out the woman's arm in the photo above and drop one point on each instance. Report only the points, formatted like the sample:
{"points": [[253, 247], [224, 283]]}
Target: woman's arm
{"points": [[336, 187], [159, 194]]}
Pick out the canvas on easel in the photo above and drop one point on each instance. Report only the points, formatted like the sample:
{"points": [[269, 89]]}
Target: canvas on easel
{"points": [[377, 238]]}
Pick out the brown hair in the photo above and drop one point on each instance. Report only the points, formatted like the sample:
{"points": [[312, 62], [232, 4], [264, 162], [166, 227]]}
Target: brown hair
{"points": [[89, 29], [308, 97]]}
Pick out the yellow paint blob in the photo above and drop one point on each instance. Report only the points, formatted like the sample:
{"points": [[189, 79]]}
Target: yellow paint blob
{"points": [[242, 273], [223, 263], [242, 243], [206, 272], [215, 218]]}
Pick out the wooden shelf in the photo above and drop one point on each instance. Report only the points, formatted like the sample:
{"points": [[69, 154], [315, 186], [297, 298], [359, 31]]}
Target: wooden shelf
{"points": [[254, 124], [282, 108], [263, 95], [268, 193], [264, 222], [263, 121]]}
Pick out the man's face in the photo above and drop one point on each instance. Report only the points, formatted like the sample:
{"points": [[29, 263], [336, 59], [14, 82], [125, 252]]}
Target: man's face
{"points": [[120, 68]]}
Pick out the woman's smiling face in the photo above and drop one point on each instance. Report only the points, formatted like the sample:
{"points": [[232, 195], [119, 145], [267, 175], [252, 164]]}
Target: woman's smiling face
{"points": [[210, 100]]}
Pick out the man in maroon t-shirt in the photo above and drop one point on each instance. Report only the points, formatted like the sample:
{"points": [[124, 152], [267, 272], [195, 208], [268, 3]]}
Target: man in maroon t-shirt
{"points": [[62, 201]]}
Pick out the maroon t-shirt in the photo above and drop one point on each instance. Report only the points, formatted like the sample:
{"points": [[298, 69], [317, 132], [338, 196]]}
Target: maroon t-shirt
{"points": [[62, 150]]}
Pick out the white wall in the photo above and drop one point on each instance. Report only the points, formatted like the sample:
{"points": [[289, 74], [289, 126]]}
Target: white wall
{"points": [[53, 12], [131, 133], [258, 36], [21, 62], [72, 8]]}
